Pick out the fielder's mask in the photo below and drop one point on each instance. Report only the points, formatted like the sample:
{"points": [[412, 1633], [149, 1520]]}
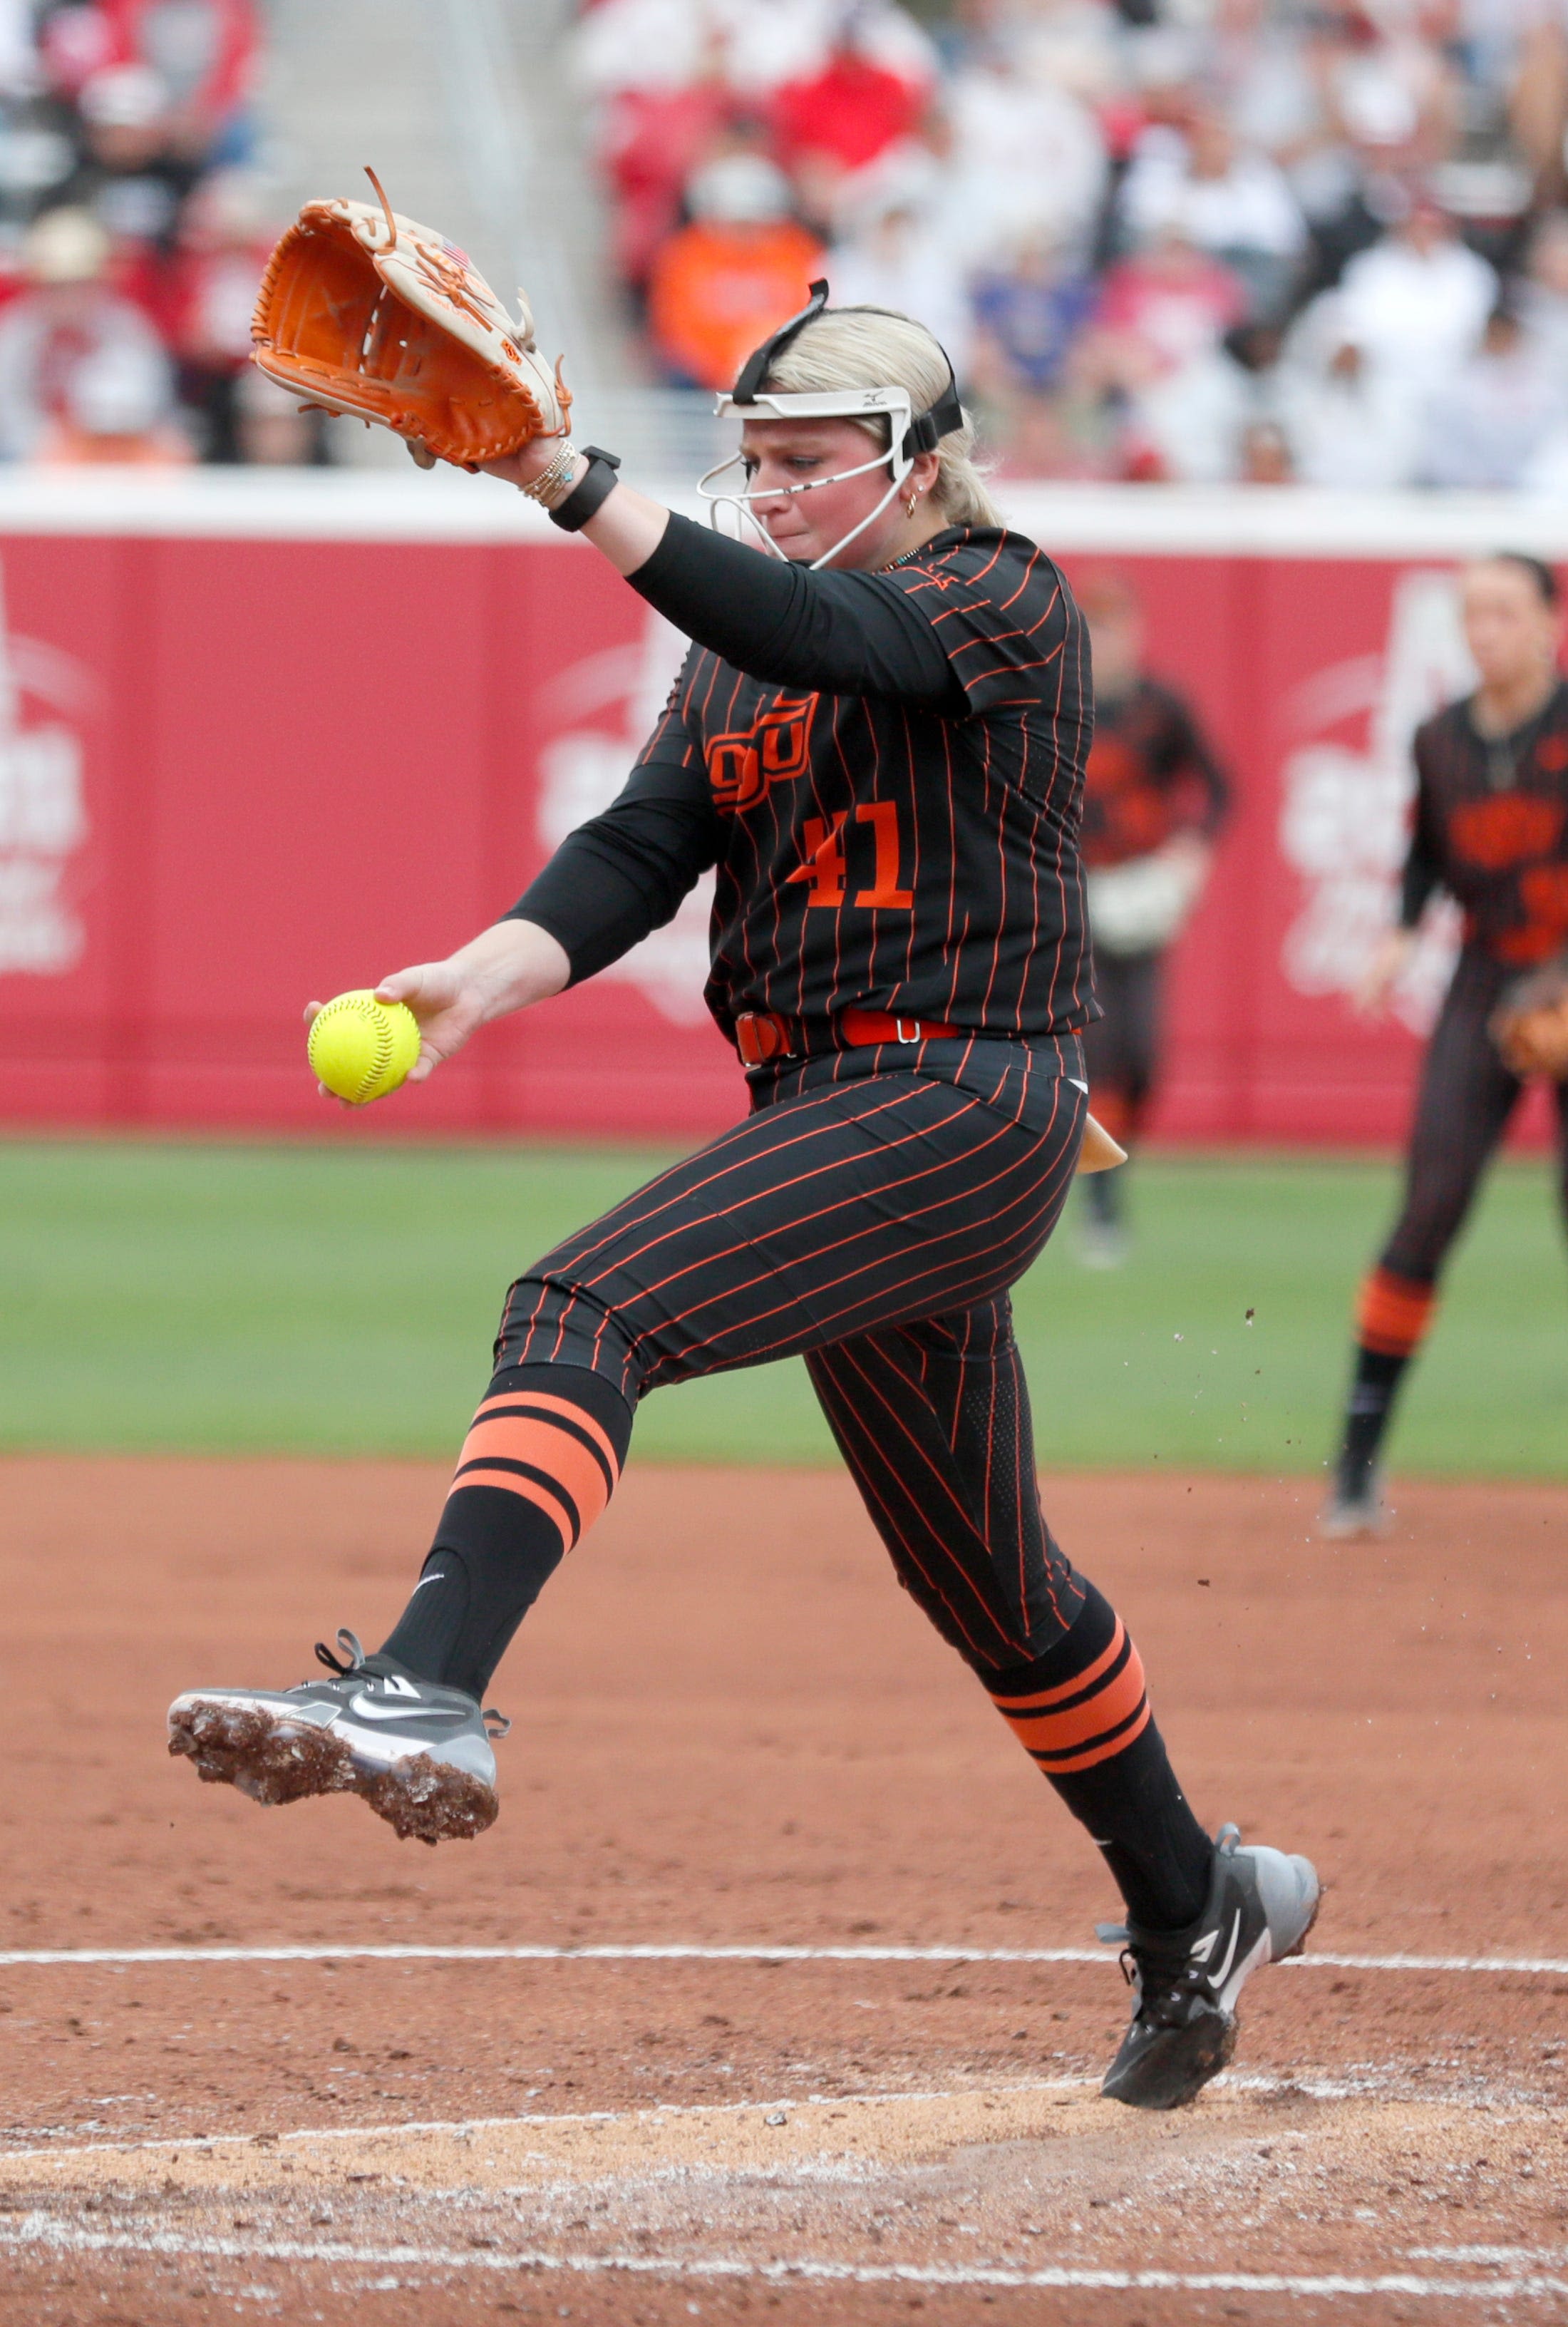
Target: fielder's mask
{"points": [[909, 433]]}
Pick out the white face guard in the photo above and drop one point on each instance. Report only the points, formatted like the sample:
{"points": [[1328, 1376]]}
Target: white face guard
{"points": [[907, 436], [842, 404]]}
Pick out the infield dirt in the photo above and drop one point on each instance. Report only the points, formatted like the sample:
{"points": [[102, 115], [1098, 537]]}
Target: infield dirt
{"points": [[731, 1729]]}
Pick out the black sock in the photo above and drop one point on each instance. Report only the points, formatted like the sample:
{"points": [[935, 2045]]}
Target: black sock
{"points": [[1124, 1793], [1103, 1193], [1370, 1404], [536, 1469]]}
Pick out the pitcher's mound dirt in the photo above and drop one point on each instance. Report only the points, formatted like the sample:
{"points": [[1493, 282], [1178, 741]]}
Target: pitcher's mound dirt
{"points": [[732, 1729]]}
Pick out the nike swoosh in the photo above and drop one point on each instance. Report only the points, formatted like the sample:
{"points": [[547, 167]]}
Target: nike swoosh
{"points": [[1217, 1979], [368, 1712], [424, 1580]]}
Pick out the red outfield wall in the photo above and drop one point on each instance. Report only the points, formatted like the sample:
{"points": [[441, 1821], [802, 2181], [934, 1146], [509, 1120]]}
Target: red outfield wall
{"points": [[265, 738]]}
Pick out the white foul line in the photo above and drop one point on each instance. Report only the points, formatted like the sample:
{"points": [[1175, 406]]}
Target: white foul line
{"points": [[40, 2229], [683, 1953]]}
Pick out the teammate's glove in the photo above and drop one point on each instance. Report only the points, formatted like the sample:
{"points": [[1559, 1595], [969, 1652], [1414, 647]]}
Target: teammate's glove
{"points": [[363, 312], [1530, 1024]]}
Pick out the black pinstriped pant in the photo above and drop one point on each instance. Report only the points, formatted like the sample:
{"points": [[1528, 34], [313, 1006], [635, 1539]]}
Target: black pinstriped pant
{"points": [[1466, 1098], [870, 1214]]}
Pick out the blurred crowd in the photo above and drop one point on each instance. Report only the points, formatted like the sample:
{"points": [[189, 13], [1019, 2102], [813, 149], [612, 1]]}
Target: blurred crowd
{"points": [[1321, 241], [132, 234]]}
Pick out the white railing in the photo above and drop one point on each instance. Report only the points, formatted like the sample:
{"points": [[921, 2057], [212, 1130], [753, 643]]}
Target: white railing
{"points": [[315, 504]]}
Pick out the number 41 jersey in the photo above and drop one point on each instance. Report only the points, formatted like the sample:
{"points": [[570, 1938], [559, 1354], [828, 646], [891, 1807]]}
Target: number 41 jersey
{"points": [[875, 853]]}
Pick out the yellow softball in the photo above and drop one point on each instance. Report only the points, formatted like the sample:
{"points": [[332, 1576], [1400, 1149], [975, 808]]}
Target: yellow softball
{"points": [[360, 1048]]}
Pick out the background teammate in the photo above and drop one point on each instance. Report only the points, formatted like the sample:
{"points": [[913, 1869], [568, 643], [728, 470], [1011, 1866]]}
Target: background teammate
{"points": [[885, 761], [1154, 799], [1492, 827]]}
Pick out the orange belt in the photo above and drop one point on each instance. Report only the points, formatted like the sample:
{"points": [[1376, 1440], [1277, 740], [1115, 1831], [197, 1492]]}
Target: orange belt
{"points": [[763, 1034]]}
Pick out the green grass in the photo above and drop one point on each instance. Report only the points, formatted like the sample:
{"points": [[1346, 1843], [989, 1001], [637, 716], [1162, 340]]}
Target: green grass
{"points": [[333, 1300]]}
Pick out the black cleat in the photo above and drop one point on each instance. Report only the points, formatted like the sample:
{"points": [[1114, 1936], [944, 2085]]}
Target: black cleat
{"points": [[1355, 1509], [1261, 1906], [420, 1754]]}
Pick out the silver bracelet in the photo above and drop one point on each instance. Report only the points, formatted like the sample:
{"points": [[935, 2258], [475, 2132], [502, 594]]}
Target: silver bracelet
{"points": [[546, 486]]}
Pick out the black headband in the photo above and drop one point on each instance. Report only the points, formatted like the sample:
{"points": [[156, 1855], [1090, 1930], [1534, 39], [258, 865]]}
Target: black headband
{"points": [[754, 371], [924, 433]]}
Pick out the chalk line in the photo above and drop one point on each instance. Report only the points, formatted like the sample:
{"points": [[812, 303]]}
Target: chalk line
{"points": [[688, 1952], [46, 2231]]}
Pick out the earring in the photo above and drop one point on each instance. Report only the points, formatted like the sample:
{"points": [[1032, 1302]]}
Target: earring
{"points": [[909, 504]]}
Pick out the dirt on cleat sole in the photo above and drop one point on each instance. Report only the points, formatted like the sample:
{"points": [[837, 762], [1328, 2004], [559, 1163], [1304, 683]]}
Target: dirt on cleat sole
{"points": [[426, 1800], [274, 1761]]}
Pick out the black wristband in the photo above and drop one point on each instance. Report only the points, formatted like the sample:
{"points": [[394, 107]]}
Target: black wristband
{"points": [[580, 504]]}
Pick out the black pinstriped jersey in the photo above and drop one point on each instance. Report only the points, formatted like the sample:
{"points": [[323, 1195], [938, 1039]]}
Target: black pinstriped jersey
{"points": [[1492, 826], [912, 847]]}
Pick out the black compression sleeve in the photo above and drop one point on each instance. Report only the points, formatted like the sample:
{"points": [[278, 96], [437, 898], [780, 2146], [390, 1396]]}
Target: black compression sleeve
{"points": [[1211, 777], [620, 875], [1423, 871], [833, 633]]}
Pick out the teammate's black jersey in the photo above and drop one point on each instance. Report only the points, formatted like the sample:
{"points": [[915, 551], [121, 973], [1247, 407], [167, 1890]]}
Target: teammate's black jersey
{"points": [[1492, 826], [886, 770], [1150, 775]]}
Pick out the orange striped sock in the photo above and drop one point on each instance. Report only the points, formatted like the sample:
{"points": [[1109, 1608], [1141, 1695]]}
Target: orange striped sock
{"points": [[1393, 1313], [539, 1466], [545, 1449], [1081, 1714], [1086, 1720]]}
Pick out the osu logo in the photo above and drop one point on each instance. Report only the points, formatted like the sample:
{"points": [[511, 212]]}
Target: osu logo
{"points": [[1543, 897], [1493, 833], [1123, 814], [774, 750]]}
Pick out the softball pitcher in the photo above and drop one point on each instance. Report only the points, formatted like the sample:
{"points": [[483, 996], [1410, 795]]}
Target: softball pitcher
{"points": [[878, 740]]}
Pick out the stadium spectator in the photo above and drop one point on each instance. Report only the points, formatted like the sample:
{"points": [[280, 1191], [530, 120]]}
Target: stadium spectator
{"points": [[68, 323], [207, 302], [73, 44], [1233, 203], [205, 53], [129, 174], [1347, 425], [1487, 424], [17, 50], [1194, 425], [130, 250], [117, 407], [758, 44], [1028, 313], [651, 141], [1024, 158], [1114, 184], [895, 260], [1417, 303], [1165, 305], [833, 123], [732, 274], [1542, 297]]}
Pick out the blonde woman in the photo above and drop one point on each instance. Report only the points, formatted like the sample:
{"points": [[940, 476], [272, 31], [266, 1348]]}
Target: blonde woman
{"points": [[878, 739]]}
